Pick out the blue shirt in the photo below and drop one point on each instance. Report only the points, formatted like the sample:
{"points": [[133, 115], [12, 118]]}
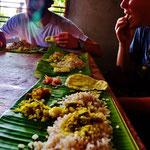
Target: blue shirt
{"points": [[140, 47], [140, 52]]}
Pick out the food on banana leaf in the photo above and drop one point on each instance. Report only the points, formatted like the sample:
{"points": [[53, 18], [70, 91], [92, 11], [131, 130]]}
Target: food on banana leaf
{"points": [[69, 62], [50, 40], [52, 81], [85, 83], [55, 57], [83, 126], [39, 93], [35, 137], [21, 146], [97, 93], [36, 110], [22, 45], [58, 68]]}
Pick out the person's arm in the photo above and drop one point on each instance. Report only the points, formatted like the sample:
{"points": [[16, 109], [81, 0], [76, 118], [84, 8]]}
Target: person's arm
{"points": [[123, 58], [2, 40], [124, 35], [92, 47], [66, 40]]}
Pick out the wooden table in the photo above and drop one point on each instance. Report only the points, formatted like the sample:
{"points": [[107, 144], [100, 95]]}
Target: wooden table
{"points": [[17, 76]]}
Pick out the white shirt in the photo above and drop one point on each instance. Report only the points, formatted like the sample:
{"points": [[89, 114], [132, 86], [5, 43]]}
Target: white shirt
{"points": [[20, 26]]}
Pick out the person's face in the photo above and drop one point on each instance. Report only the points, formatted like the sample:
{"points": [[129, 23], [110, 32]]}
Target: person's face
{"points": [[138, 10], [36, 9]]}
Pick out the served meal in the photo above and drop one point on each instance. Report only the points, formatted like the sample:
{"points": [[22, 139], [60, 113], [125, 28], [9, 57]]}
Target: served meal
{"points": [[55, 57], [85, 83], [65, 63], [54, 82], [68, 63], [78, 121], [34, 109], [39, 93], [81, 124], [22, 45]]}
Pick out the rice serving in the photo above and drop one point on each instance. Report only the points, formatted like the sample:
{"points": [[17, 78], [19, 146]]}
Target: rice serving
{"points": [[83, 127], [68, 62]]}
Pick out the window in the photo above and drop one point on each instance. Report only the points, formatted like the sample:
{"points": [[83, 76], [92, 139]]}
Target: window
{"points": [[59, 7], [9, 8]]}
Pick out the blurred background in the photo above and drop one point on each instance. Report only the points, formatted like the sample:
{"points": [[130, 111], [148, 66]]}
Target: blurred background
{"points": [[96, 18]]}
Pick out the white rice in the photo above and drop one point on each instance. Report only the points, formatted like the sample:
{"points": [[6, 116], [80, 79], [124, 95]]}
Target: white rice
{"points": [[21, 145], [99, 135], [35, 137], [72, 61]]}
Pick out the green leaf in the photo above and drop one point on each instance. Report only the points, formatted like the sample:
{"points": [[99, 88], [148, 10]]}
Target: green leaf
{"points": [[27, 52], [122, 138], [44, 67], [16, 129]]}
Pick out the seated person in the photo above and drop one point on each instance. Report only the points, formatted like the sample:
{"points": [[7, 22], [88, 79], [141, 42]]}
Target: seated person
{"points": [[38, 22], [131, 76], [131, 79]]}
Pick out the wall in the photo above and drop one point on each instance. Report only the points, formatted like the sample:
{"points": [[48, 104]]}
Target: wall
{"points": [[97, 19]]}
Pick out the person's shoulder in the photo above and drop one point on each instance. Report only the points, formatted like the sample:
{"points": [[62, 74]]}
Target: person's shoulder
{"points": [[18, 17], [143, 29], [142, 32], [16, 20], [59, 18]]}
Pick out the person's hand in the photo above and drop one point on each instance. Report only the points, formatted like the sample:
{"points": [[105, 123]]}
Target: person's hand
{"points": [[65, 39], [123, 31], [2, 40]]}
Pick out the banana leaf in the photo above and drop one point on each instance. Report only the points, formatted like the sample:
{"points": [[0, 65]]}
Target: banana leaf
{"points": [[44, 67], [16, 129], [39, 50], [122, 137]]}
